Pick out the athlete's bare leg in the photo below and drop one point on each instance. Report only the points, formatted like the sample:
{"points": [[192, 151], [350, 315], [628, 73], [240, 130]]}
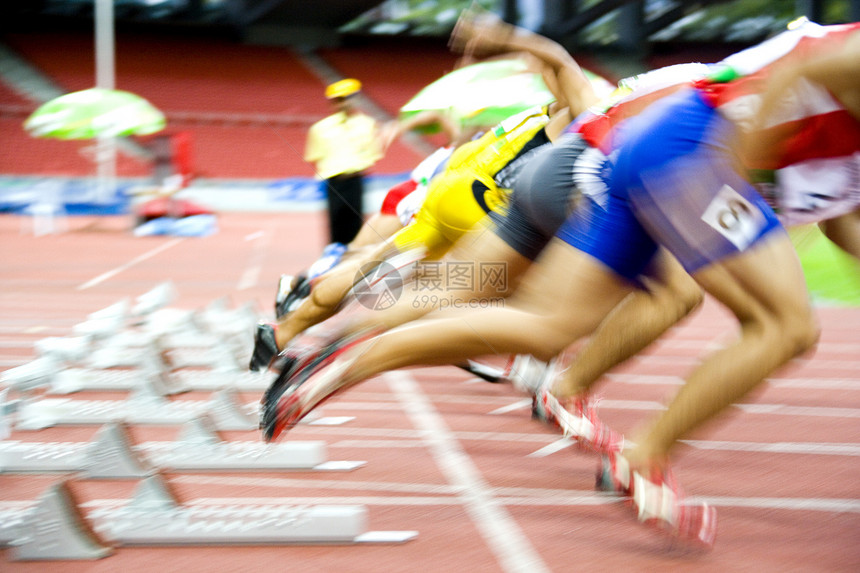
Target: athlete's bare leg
{"points": [[562, 298], [479, 267], [844, 231], [326, 295], [765, 289], [640, 319], [376, 229]]}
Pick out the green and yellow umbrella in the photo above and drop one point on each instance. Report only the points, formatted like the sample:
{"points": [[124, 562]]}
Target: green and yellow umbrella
{"points": [[486, 93], [95, 112]]}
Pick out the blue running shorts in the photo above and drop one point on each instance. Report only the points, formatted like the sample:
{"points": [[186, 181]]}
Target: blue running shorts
{"points": [[672, 182]]}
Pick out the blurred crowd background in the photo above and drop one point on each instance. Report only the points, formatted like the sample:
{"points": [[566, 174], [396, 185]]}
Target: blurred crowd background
{"points": [[240, 81]]}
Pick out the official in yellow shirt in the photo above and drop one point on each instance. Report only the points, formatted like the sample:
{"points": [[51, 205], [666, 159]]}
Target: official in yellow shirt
{"points": [[342, 147]]}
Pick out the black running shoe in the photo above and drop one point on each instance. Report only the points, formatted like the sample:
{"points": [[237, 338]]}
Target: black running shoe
{"points": [[265, 347], [483, 371], [276, 389], [295, 373]]}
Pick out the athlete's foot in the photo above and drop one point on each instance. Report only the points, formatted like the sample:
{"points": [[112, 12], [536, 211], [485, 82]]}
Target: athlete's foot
{"points": [[265, 347], [577, 418], [291, 292], [308, 381], [659, 502]]}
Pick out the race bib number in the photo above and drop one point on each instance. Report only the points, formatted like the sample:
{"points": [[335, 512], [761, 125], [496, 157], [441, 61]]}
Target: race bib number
{"points": [[734, 217]]}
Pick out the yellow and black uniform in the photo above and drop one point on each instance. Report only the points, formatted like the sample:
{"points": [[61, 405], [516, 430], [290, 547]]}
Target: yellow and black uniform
{"points": [[476, 181], [342, 147]]}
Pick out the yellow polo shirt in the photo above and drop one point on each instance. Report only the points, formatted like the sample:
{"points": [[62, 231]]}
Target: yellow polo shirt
{"points": [[342, 144]]}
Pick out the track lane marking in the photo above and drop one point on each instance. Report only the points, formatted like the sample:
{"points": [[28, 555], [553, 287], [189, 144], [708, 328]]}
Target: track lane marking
{"points": [[500, 531], [251, 275], [147, 255]]}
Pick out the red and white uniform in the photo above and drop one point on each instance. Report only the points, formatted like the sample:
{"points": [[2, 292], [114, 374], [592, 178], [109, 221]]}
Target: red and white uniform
{"points": [[813, 175], [812, 142]]}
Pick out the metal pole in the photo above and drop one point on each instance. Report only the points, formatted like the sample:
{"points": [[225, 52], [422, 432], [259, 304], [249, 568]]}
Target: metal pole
{"points": [[105, 78]]}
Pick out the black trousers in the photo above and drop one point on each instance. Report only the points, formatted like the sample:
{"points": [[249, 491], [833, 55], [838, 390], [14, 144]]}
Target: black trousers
{"points": [[345, 195]]}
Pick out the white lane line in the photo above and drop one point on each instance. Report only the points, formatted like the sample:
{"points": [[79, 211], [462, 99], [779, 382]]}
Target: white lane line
{"points": [[802, 448], [807, 383], [775, 409], [538, 439], [782, 409], [778, 447], [687, 361], [552, 448], [570, 498], [518, 405], [377, 444], [251, 275], [315, 483], [147, 255], [790, 503], [499, 530]]}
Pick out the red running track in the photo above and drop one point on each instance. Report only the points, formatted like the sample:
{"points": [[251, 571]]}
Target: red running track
{"points": [[449, 456]]}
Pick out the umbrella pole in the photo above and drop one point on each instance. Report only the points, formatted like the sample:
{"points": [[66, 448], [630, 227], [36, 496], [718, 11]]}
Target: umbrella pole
{"points": [[105, 78]]}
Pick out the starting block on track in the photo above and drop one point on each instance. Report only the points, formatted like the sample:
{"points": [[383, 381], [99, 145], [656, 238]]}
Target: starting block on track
{"points": [[64, 348], [218, 353], [57, 529], [160, 383], [144, 408], [111, 454], [165, 383], [152, 300], [54, 529], [31, 375]]}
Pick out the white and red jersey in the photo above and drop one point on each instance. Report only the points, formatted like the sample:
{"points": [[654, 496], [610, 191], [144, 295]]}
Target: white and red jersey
{"points": [[811, 142], [633, 95], [810, 122], [813, 162]]}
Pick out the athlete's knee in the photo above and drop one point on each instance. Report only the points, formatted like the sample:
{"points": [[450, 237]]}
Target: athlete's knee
{"points": [[678, 288], [686, 294], [801, 331], [788, 334], [326, 295]]}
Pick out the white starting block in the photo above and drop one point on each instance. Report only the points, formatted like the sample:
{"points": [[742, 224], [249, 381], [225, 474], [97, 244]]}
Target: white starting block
{"points": [[154, 299], [165, 383], [7, 408], [146, 409], [222, 355], [126, 349], [57, 529], [30, 375], [73, 380], [52, 530], [64, 348], [105, 322], [218, 319], [142, 408], [111, 454], [131, 349], [168, 321]]}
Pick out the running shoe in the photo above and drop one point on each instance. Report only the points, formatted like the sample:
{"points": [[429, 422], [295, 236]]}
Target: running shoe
{"points": [[265, 347], [286, 402], [577, 418], [528, 374], [291, 292], [659, 502]]}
